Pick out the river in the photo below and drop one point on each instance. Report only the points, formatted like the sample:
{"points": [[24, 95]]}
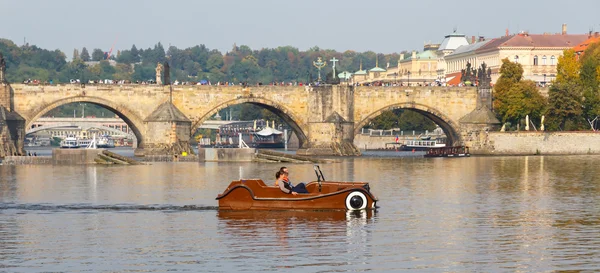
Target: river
{"points": [[478, 214]]}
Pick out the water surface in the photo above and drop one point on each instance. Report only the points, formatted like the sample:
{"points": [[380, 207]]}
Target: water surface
{"points": [[491, 214]]}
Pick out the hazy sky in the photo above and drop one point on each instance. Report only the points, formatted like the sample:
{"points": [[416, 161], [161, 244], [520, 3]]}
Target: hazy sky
{"points": [[384, 26]]}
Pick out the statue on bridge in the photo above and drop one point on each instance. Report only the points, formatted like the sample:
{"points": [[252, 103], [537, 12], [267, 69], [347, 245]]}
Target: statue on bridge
{"points": [[2, 68], [159, 69], [167, 76]]}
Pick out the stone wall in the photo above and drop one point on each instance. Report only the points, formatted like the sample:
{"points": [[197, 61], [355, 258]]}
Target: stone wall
{"points": [[75, 156], [226, 155], [27, 160], [544, 143]]}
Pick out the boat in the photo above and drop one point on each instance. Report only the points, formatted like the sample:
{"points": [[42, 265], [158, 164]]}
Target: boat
{"points": [[84, 142], [105, 141], [255, 134], [254, 194], [450, 151], [422, 144], [70, 142]]}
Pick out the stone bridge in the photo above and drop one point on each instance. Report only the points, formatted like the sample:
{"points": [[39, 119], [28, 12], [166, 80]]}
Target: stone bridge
{"points": [[325, 118]]}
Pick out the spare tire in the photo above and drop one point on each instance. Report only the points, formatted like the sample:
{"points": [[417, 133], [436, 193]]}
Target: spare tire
{"points": [[356, 200]]}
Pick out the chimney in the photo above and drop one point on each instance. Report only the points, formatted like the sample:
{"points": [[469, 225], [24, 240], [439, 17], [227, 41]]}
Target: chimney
{"points": [[506, 32], [481, 38], [596, 34], [564, 29], [401, 56], [472, 39], [414, 54]]}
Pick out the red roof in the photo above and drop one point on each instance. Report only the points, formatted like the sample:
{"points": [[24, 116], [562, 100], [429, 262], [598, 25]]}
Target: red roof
{"points": [[535, 40], [580, 48]]}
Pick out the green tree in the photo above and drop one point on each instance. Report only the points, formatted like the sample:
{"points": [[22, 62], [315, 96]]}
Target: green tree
{"points": [[590, 81], [523, 98], [97, 55], [85, 55], [510, 74], [565, 107]]}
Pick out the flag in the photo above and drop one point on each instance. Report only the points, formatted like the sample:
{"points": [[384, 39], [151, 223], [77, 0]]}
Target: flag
{"points": [[397, 139]]}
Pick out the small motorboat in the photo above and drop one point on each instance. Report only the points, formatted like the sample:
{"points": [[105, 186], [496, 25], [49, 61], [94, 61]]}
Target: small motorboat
{"points": [[254, 194]]}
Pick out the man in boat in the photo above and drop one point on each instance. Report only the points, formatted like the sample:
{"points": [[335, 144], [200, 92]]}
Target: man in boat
{"points": [[300, 188]]}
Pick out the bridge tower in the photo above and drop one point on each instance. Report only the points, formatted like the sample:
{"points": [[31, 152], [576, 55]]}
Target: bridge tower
{"points": [[476, 125]]}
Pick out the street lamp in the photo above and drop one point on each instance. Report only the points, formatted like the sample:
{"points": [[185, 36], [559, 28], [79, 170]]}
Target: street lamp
{"points": [[408, 78], [395, 76], [544, 79]]}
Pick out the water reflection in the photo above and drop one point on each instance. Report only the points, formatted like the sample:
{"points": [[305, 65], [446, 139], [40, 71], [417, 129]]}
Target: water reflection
{"points": [[305, 239]]}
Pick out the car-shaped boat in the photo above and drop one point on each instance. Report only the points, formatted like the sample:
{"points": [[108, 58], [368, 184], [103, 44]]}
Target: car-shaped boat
{"points": [[254, 194]]}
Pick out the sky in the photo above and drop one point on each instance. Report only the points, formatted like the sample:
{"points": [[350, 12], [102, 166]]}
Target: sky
{"points": [[384, 26]]}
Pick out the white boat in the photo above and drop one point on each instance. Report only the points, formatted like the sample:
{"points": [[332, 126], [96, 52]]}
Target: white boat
{"points": [[422, 144], [105, 141], [70, 142]]}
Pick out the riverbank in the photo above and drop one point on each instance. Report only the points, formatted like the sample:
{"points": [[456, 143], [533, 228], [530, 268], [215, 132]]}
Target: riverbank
{"points": [[538, 143], [513, 143]]}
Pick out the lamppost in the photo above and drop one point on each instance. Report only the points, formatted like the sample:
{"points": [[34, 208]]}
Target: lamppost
{"points": [[544, 79], [408, 78], [395, 76]]}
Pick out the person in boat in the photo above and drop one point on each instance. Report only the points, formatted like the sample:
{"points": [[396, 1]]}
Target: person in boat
{"points": [[283, 186], [300, 188]]}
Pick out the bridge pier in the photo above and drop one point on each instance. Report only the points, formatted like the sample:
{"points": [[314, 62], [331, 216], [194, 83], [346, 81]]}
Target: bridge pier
{"points": [[12, 125], [167, 132], [330, 121]]}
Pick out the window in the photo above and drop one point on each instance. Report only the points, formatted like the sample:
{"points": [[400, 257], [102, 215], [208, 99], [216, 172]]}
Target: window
{"points": [[544, 60], [535, 60], [516, 59], [552, 60]]}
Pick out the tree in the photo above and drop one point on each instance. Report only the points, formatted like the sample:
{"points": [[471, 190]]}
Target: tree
{"points": [[85, 55], [75, 54], [514, 98], [523, 98], [97, 55], [590, 81], [510, 74], [565, 107], [135, 54]]}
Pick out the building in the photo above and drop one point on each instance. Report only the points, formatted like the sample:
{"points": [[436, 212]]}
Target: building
{"points": [[537, 53], [450, 43], [580, 48]]}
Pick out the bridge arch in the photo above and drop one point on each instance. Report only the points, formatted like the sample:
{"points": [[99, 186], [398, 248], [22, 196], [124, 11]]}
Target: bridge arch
{"points": [[132, 119], [450, 128], [290, 118]]}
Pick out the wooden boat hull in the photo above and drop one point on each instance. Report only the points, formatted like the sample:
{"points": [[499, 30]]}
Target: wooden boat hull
{"points": [[255, 195]]}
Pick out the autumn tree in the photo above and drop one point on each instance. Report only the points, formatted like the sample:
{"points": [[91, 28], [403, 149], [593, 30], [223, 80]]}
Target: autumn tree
{"points": [[565, 106]]}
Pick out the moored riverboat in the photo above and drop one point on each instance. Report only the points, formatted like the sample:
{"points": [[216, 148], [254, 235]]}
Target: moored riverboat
{"points": [[254, 194], [452, 151]]}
